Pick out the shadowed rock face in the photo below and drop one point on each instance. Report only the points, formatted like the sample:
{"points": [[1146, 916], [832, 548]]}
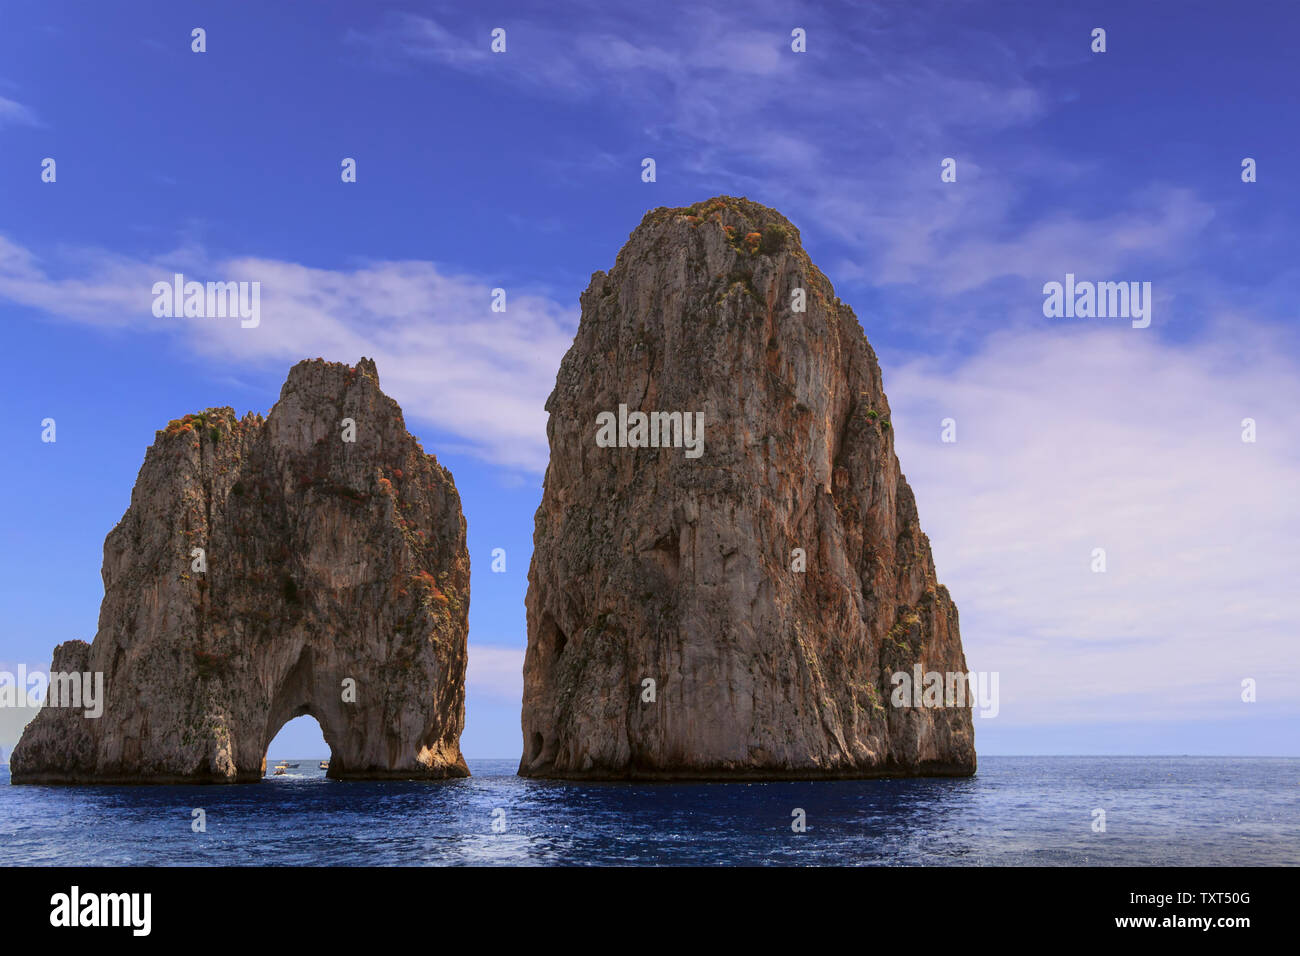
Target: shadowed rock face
{"points": [[651, 564], [327, 561]]}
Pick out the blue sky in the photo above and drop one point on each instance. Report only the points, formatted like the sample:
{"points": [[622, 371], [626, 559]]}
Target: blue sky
{"points": [[522, 170]]}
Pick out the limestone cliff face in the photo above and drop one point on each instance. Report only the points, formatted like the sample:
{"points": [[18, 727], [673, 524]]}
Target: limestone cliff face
{"points": [[336, 585], [651, 564]]}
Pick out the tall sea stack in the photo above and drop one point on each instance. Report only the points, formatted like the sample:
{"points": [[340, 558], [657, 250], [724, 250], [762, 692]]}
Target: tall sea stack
{"points": [[723, 590], [310, 563]]}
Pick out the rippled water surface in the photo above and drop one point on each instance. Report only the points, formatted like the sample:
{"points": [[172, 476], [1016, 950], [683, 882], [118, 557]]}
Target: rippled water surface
{"points": [[1017, 810]]}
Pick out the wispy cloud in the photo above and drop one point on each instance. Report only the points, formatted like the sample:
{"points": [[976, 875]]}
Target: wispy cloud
{"points": [[1107, 437], [495, 673], [448, 359], [814, 133], [13, 113], [931, 242]]}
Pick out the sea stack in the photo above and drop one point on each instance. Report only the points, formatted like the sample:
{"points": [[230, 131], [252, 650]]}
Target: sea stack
{"points": [[728, 566], [312, 562]]}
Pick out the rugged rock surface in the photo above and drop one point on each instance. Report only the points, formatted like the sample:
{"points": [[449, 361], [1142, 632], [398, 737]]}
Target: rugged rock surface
{"points": [[326, 561], [650, 564]]}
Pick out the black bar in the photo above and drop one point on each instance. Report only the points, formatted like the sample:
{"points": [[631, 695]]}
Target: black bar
{"points": [[664, 906]]}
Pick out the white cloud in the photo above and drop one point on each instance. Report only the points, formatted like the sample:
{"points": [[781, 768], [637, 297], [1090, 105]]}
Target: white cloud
{"points": [[814, 134], [14, 113], [14, 718], [496, 673], [1162, 227], [448, 360], [1106, 436]]}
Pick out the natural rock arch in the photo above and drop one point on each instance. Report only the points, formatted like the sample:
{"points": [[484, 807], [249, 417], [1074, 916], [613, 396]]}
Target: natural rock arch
{"points": [[302, 693], [324, 560], [297, 697]]}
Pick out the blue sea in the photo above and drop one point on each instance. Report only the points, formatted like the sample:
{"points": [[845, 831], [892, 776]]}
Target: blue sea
{"points": [[1015, 811]]}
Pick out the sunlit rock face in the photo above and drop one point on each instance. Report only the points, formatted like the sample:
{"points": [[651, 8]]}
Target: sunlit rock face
{"points": [[333, 580], [729, 600]]}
